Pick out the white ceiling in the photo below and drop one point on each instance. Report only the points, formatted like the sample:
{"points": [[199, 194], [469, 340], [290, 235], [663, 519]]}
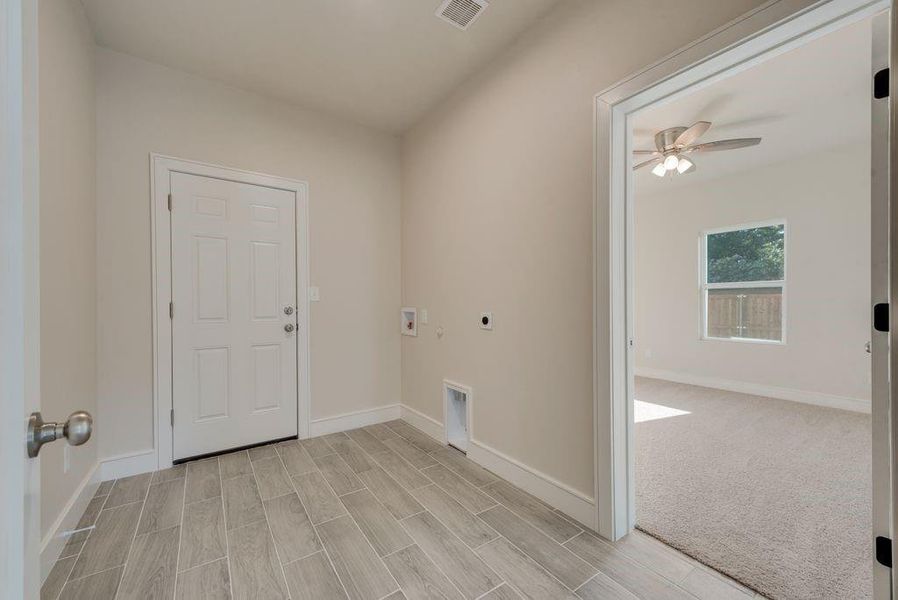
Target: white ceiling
{"points": [[814, 97], [382, 63]]}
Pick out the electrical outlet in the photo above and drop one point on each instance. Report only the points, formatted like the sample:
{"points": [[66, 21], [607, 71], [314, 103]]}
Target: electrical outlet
{"points": [[422, 316], [314, 294]]}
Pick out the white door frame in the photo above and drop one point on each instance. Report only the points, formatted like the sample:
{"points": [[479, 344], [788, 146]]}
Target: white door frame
{"points": [[770, 30], [161, 168], [19, 298]]}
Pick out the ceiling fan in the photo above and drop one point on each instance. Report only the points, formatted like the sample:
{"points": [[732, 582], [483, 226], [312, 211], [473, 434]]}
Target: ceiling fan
{"points": [[675, 143]]}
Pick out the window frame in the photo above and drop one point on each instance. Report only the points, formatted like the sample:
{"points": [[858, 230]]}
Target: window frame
{"points": [[704, 286]]}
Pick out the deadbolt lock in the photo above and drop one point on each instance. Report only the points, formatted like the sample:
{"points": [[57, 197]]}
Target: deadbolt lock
{"points": [[288, 310]]}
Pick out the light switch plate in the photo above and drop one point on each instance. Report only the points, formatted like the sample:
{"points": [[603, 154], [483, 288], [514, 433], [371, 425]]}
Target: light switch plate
{"points": [[314, 294], [422, 316]]}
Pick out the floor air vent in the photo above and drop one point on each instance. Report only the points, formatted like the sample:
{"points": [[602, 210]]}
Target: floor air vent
{"points": [[461, 13]]}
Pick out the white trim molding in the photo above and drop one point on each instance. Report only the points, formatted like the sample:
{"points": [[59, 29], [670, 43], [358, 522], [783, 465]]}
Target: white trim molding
{"points": [[556, 494], [161, 168], [772, 29], [758, 389], [55, 539], [354, 420], [125, 465]]}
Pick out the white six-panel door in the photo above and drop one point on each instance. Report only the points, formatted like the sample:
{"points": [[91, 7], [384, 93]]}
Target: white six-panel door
{"points": [[233, 266]]}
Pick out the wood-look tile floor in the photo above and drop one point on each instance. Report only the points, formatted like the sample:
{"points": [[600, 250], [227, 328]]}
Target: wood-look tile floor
{"points": [[382, 512]]}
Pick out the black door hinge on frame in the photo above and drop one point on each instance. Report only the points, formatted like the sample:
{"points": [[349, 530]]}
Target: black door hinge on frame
{"points": [[884, 551], [881, 84]]}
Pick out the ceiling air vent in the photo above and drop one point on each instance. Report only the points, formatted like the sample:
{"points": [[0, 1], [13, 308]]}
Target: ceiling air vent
{"points": [[461, 13]]}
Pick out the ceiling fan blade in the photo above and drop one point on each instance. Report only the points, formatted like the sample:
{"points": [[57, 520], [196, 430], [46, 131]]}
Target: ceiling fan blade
{"points": [[724, 145], [695, 131], [646, 153], [651, 161]]}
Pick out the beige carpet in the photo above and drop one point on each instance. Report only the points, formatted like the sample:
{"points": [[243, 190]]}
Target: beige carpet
{"points": [[775, 494]]}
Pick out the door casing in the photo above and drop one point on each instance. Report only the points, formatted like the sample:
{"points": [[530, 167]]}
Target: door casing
{"points": [[772, 29], [161, 167]]}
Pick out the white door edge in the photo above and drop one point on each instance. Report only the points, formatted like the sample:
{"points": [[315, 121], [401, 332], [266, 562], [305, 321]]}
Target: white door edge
{"points": [[773, 29], [161, 167]]}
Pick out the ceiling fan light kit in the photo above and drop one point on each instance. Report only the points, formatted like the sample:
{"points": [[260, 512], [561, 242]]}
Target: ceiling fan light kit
{"points": [[675, 143]]}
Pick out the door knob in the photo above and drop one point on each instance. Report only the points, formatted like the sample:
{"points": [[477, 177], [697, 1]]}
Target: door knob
{"points": [[289, 327], [76, 430], [288, 310]]}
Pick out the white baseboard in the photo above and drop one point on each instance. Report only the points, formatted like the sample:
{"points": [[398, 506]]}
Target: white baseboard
{"points": [[54, 541], [551, 491], [354, 420], [756, 389], [125, 465], [428, 425]]}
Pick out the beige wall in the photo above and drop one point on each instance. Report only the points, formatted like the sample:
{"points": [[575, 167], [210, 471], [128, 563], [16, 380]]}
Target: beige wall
{"points": [[827, 213], [68, 242], [353, 176], [497, 216]]}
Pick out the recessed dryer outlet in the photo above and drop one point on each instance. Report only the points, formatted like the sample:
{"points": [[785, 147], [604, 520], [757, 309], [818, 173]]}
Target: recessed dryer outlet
{"points": [[457, 414]]}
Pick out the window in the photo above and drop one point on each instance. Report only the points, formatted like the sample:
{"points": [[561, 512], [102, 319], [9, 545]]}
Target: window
{"points": [[744, 282]]}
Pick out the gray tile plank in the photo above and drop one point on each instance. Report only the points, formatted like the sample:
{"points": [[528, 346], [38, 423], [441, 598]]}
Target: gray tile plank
{"points": [[203, 480], [705, 585], [316, 447], [417, 458], [556, 559], [163, 506], [128, 490], [381, 529], [255, 571], [320, 501], [100, 586], [234, 464], [242, 501], [175, 472], [262, 452], [399, 469], [73, 545], [313, 578], [602, 587], [206, 582], [459, 520], [272, 478], [458, 562], [363, 574], [203, 536], [638, 579], [89, 517], [392, 495], [533, 511], [397, 595], [419, 577], [338, 474], [381, 432], [521, 572], [57, 578], [503, 592], [293, 533], [416, 436], [464, 466], [368, 442], [357, 459], [296, 459], [104, 488], [655, 555], [103, 549], [453, 484], [152, 566]]}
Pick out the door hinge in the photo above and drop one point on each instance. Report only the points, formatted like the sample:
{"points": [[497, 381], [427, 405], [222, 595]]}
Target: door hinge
{"points": [[884, 551], [881, 84], [169, 203], [171, 310], [881, 316], [172, 414]]}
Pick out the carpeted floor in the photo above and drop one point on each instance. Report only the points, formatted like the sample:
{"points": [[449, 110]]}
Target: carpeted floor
{"points": [[775, 494]]}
